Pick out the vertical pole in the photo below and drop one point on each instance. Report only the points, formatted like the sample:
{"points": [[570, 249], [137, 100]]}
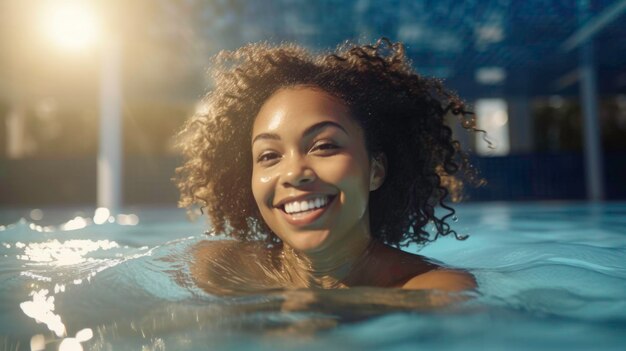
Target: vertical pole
{"points": [[594, 171], [110, 152], [521, 122], [15, 130]]}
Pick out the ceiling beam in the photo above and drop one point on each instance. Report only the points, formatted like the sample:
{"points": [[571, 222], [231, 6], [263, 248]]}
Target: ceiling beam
{"points": [[594, 25], [566, 80]]}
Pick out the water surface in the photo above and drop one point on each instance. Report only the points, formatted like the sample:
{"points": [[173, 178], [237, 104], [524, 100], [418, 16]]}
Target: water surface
{"points": [[550, 275]]}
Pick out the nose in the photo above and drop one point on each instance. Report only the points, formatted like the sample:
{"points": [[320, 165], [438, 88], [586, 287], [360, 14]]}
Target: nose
{"points": [[297, 172]]}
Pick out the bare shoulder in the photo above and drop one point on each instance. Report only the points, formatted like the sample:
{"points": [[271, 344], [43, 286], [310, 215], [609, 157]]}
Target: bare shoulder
{"points": [[401, 269], [214, 249], [442, 279], [216, 265], [207, 258], [223, 253]]}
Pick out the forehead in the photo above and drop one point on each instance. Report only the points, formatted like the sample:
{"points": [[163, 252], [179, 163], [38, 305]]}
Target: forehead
{"points": [[299, 107]]}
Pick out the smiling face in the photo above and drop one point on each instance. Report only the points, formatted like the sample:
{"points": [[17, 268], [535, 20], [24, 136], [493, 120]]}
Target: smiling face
{"points": [[311, 174]]}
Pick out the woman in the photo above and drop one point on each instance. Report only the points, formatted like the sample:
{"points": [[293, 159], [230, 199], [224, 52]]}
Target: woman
{"points": [[321, 167]]}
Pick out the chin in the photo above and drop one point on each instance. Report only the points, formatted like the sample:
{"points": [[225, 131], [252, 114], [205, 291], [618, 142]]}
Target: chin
{"points": [[308, 242]]}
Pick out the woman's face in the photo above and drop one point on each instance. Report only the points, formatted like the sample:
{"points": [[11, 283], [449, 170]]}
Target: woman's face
{"points": [[311, 173]]}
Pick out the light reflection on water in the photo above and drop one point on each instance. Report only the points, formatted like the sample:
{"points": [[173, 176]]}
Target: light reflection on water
{"points": [[84, 259], [105, 281]]}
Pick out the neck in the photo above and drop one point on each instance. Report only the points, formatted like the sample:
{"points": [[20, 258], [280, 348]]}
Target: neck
{"points": [[328, 268]]}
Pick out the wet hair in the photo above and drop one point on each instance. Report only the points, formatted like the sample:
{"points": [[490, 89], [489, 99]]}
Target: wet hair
{"points": [[401, 112]]}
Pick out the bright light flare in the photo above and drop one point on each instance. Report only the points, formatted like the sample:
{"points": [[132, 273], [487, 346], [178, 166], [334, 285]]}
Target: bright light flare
{"points": [[493, 118], [72, 25]]}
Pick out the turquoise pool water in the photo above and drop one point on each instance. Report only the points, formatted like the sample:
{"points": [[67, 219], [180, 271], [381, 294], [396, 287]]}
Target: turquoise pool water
{"points": [[551, 275]]}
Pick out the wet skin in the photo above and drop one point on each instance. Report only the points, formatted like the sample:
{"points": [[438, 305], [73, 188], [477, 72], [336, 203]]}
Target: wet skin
{"points": [[306, 146]]}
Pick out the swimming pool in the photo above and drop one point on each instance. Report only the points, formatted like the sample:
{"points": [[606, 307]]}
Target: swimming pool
{"points": [[551, 276]]}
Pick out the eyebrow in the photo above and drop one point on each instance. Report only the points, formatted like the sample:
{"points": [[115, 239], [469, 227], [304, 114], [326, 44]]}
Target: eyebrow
{"points": [[310, 130]]}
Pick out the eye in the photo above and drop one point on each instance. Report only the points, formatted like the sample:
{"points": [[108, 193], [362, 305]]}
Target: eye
{"points": [[324, 146], [267, 157]]}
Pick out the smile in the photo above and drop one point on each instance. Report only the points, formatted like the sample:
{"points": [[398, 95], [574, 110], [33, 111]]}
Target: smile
{"points": [[305, 212], [305, 206]]}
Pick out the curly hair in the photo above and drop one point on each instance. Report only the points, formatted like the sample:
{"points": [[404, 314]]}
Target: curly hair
{"points": [[401, 112]]}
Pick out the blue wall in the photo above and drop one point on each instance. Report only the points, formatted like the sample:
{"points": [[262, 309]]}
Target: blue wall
{"points": [[544, 176]]}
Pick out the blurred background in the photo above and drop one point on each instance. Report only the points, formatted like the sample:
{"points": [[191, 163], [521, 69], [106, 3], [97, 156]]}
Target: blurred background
{"points": [[92, 92]]}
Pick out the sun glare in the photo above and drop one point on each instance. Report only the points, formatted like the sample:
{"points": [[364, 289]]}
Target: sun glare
{"points": [[72, 25]]}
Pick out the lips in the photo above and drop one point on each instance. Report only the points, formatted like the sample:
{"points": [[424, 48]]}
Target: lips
{"points": [[306, 205], [302, 218]]}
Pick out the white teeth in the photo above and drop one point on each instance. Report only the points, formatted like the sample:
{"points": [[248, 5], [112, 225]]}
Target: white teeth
{"points": [[303, 206]]}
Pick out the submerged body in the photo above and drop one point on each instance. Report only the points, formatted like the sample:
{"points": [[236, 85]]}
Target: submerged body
{"points": [[228, 267]]}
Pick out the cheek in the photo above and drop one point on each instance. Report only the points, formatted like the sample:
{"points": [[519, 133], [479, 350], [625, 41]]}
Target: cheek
{"points": [[260, 184], [348, 173]]}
